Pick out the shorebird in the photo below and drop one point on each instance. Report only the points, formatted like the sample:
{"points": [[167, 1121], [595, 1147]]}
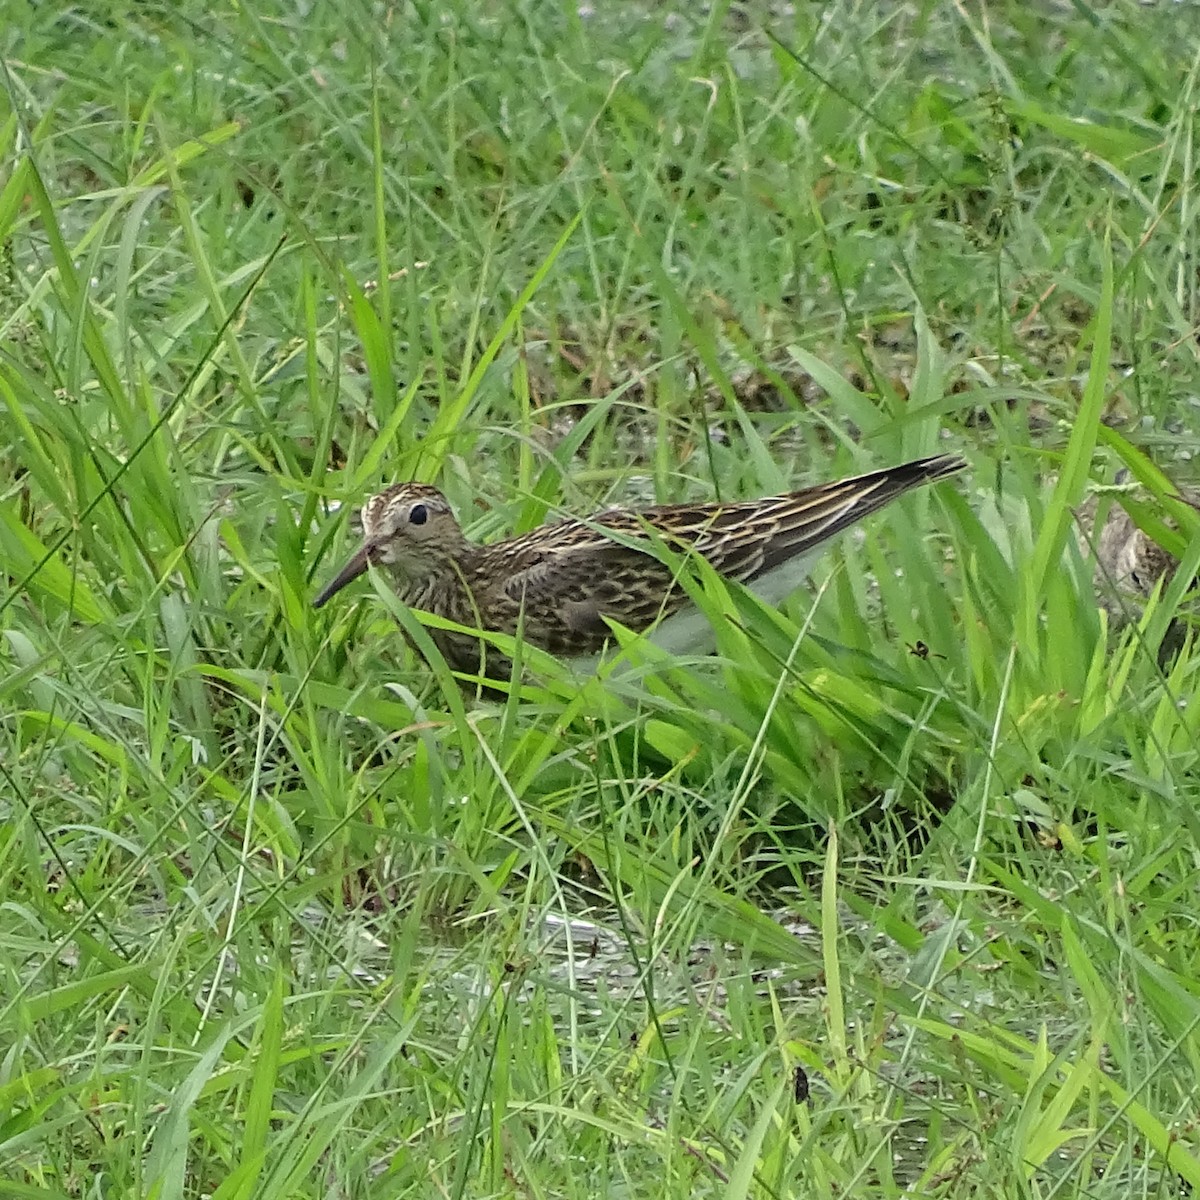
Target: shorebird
{"points": [[1129, 563], [555, 585]]}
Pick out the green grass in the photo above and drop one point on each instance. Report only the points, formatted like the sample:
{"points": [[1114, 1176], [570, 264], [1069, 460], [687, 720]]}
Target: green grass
{"points": [[282, 913]]}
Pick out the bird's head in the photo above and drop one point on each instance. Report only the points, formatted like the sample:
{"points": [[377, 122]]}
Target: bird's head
{"points": [[409, 527]]}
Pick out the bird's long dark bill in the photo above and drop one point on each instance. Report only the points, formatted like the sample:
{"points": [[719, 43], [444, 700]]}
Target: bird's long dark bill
{"points": [[348, 574]]}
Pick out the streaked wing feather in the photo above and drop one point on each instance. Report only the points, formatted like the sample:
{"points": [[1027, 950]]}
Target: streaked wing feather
{"points": [[572, 574], [567, 583]]}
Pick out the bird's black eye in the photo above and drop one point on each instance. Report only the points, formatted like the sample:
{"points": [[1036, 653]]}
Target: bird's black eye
{"points": [[418, 515]]}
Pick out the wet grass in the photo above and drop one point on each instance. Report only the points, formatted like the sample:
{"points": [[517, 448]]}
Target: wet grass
{"points": [[894, 896]]}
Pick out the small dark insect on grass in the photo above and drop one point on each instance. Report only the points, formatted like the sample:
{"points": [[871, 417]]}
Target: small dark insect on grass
{"points": [[920, 650]]}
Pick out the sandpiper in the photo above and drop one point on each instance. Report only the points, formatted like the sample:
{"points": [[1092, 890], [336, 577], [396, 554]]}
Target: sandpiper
{"points": [[1129, 563], [555, 585]]}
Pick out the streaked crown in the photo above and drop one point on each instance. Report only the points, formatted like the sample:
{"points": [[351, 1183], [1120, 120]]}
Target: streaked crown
{"points": [[411, 525]]}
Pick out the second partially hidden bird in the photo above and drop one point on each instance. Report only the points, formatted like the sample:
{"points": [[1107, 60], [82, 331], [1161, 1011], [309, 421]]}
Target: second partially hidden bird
{"points": [[555, 585]]}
